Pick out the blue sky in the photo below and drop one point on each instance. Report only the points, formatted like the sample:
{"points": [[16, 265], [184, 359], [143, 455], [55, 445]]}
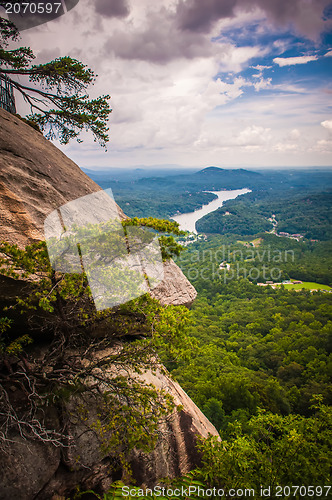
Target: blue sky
{"points": [[233, 83]]}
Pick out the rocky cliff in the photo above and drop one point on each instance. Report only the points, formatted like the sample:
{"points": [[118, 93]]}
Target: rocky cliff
{"points": [[35, 179]]}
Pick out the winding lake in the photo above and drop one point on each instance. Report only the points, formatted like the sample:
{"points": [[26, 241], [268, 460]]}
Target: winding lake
{"points": [[187, 221]]}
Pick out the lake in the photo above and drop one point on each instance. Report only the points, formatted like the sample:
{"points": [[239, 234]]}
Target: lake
{"points": [[187, 221]]}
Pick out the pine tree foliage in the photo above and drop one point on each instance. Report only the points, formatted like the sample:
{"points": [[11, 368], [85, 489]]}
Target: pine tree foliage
{"points": [[55, 91]]}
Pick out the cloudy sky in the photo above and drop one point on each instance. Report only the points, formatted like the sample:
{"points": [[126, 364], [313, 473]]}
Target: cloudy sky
{"points": [[229, 83]]}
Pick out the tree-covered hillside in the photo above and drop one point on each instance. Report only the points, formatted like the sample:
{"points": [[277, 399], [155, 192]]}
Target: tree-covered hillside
{"points": [[308, 214], [300, 200], [258, 347], [167, 195]]}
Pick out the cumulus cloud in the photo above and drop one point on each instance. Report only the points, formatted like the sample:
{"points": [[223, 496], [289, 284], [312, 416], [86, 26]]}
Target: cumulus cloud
{"points": [[305, 16], [153, 34], [260, 68], [290, 142], [290, 61], [198, 16], [294, 135], [112, 8], [174, 115], [282, 147], [327, 124], [262, 83], [171, 78], [233, 90], [325, 145], [253, 135], [157, 40]]}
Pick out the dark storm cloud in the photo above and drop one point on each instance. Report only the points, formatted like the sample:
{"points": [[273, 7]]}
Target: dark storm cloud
{"points": [[184, 32], [306, 16], [195, 15], [112, 8]]}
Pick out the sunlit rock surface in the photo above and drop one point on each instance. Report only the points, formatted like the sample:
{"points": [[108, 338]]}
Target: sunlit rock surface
{"points": [[35, 179]]}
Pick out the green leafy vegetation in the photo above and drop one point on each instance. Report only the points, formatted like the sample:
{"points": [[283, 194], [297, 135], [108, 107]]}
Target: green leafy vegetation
{"points": [[307, 285], [258, 347], [160, 203], [261, 369], [168, 245], [277, 456], [56, 91], [237, 217], [309, 215], [54, 313], [273, 452]]}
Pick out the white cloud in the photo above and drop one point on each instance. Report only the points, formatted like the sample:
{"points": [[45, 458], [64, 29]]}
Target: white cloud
{"points": [[290, 61], [262, 84], [290, 142], [325, 145], [294, 135], [172, 101], [253, 136], [284, 147], [328, 54], [259, 67], [234, 59], [233, 90], [327, 124]]}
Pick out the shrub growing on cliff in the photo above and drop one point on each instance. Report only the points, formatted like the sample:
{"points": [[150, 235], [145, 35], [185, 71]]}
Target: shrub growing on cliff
{"points": [[78, 363]]}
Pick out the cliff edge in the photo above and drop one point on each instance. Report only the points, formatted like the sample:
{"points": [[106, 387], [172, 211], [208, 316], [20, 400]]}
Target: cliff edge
{"points": [[35, 179]]}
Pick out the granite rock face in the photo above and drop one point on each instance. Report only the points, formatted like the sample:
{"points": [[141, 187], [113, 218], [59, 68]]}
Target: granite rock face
{"points": [[35, 179], [174, 455], [26, 467], [171, 289]]}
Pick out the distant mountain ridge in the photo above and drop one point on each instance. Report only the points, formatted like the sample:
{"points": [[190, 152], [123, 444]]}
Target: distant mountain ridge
{"points": [[165, 195], [150, 194], [222, 171]]}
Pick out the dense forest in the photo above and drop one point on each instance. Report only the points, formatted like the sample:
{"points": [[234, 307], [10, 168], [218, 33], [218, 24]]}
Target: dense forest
{"points": [[273, 192], [255, 359], [257, 362], [309, 215], [261, 367], [88, 357], [258, 347]]}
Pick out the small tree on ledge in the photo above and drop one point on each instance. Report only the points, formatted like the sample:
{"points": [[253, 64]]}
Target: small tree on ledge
{"points": [[56, 92]]}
